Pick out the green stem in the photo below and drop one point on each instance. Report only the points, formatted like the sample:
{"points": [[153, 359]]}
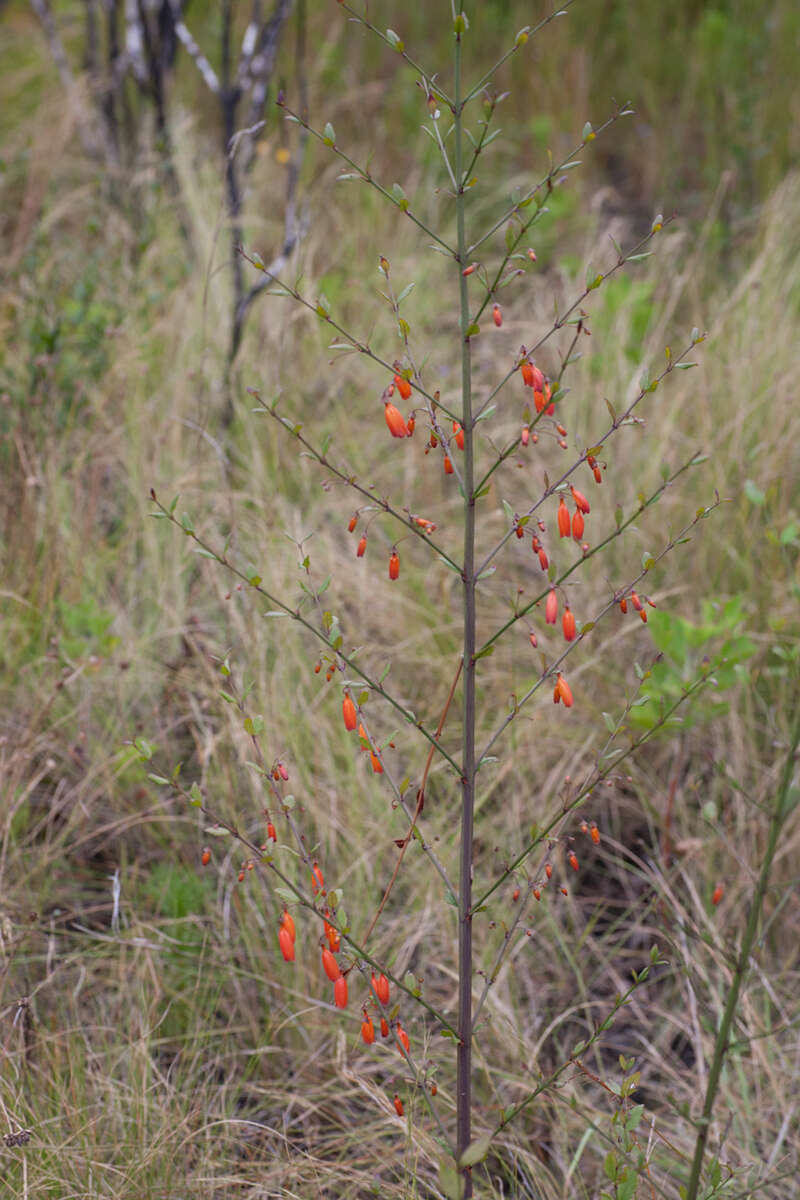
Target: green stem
{"points": [[722, 1044]]}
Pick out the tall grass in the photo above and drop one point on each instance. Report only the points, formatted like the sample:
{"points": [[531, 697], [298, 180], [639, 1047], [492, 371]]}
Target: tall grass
{"points": [[168, 1058]]}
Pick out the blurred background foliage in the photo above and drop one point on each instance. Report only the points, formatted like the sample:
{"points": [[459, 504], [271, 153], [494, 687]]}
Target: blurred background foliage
{"points": [[174, 1057]]}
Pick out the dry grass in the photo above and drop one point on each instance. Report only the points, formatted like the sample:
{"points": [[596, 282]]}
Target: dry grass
{"points": [[177, 1055]]}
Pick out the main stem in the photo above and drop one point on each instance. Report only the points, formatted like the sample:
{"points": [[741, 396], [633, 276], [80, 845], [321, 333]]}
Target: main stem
{"points": [[464, 1050]]}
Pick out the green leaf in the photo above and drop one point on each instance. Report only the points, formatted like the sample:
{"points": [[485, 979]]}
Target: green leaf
{"points": [[254, 725], [473, 330], [158, 779], [754, 493], [638, 257], [195, 795], [216, 831], [461, 24], [588, 134], [508, 510], [144, 749], [611, 724], [476, 1151], [451, 1183], [186, 523], [399, 197], [405, 292], [323, 310], [329, 135], [395, 41]]}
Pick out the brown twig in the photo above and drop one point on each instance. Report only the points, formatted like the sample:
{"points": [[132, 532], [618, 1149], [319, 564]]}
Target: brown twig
{"points": [[404, 842]]}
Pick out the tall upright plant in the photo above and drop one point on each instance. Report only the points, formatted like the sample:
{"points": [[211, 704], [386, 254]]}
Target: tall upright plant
{"points": [[480, 433]]}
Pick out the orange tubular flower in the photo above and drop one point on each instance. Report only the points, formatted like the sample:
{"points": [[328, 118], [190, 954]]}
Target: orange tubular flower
{"points": [[527, 370], [271, 834], [543, 562], [205, 857], [594, 833], [403, 1037], [403, 386], [349, 713], [317, 881], [286, 943], [367, 1030], [384, 1027], [340, 992], [448, 466], [580, 500], [362, 545], [394, 419], [568, 624], [411, 424], [377, 765], [380, 986], [352, 523], [330, 965], [563, 518], [577, 524], [288, 924], [334, 941], [394, 569], [525, 436], [715, 899], [548, 870], [458, 435], [623, 605], [564, 691], [398, 1105], [573, 862], [538, 399], [497, 315], [551, 607]]}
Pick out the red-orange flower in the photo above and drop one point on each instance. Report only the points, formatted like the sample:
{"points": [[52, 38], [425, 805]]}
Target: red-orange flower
{"points": [[380, 986], [205, 857], [543, 563], [715, 899], [563, 518], [497, 315], [271, 834], [577, 524], [367, 1030], [594, 833], [394, 567], [330, 965], [551, 607], [403, 1037], [525, 436], [394, 419], [334, 941], [448, 466], [458, 435], [377, 765], [580, 500], [527, 370], [349, 713], [362, 545], [564, 691], [317, 881], [573, 862], [568, 623], [288, 923], [340, 992], [403, 386], [398, 1105], [352, 523], [286, 943]]}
